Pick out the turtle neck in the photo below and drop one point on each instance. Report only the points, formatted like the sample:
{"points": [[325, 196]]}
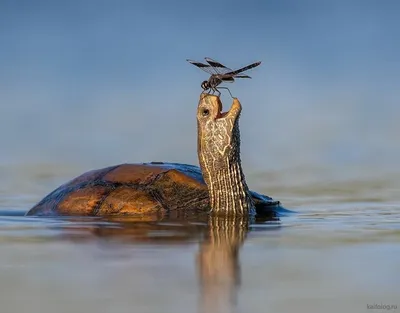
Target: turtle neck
{"points": [[222, 170]]}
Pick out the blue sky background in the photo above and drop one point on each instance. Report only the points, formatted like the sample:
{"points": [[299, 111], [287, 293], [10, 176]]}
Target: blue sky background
{"points": [[104, 82]]}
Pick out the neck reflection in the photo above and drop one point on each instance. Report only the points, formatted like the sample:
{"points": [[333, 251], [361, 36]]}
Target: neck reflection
{"points": [[218, 263]]}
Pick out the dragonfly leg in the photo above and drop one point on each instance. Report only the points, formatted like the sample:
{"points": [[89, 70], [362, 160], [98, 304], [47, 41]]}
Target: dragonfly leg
{"points": [[226, 89], [206, 91], [215, 90]]}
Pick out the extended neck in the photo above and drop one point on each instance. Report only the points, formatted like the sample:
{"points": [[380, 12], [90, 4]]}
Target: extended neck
{"points": [[228, 190], [225, 179]]}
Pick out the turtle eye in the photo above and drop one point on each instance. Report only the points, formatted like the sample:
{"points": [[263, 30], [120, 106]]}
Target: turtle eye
{"points": [[205, 112]]}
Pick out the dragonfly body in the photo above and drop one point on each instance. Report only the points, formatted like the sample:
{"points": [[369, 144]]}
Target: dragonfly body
{"points": [[220, 73], [212, 83]]}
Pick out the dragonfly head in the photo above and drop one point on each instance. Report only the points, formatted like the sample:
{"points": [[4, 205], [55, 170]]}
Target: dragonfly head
{"points": [[205, 85]]}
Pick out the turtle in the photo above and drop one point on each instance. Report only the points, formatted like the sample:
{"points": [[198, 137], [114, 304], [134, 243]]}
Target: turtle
{"points": [[218, 186]]}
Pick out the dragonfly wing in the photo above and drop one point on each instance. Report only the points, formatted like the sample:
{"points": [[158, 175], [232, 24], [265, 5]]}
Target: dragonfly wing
{"points": [[219, 67], [205, 67]]}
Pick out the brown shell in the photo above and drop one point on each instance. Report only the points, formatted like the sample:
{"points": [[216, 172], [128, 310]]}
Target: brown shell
{"points": [[129, 189], [152, 190]]}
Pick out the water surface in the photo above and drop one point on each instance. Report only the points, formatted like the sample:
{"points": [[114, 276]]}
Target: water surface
{"points": [[339, 252]]}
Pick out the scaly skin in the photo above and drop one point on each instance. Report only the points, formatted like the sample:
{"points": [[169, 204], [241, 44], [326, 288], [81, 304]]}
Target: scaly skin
{"points": [[219, 157]]}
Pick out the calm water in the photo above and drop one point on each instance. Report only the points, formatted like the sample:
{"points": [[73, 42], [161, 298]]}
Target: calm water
{"points": [[339, 253]]}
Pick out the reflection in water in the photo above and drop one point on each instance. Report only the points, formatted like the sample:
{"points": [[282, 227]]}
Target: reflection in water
{"points": [[137, 230], [218, 263], [217, 260]]}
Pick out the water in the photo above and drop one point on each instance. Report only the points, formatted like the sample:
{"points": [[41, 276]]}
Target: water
{"points": [[339, 253]]}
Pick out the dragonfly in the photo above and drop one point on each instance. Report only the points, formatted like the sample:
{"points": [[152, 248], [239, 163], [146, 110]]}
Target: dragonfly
{"points": [[220, 73]]}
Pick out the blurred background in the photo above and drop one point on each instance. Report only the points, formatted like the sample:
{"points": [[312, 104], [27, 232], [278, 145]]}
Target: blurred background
{"points": [[86, 84]]}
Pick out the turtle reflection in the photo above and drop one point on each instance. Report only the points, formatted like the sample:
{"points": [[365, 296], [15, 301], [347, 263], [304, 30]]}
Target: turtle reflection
{"points": [[218, 263], [217, 260]]}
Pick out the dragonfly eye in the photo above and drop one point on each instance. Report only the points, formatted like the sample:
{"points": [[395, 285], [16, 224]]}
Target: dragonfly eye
{"points": [[204, 85]]}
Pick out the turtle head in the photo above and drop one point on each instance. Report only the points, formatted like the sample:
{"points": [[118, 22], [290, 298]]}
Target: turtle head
{"points": [[218, 132], [218, 147]]}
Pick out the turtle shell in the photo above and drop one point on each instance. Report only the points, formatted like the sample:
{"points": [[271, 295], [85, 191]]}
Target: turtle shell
{"points": [[154, 188]]}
